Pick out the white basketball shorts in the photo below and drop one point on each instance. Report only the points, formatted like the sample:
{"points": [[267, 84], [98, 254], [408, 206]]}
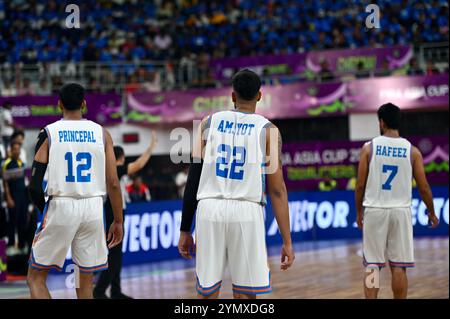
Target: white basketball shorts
{"points": [[388, 234], [231, 233], [75, 223]]}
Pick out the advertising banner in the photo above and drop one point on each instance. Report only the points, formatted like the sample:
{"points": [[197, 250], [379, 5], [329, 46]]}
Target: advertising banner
{"points": [[298, 100], [152, 229], [339, 61], [304, 163], [37, 111]]}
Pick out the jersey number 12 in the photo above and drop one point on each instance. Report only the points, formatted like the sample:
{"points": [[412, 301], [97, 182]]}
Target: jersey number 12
{"points": [[84, 163]]}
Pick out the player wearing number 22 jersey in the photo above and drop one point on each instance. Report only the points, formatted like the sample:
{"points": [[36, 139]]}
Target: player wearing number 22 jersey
{"points": [[383, 198], [78, 157], [237, 156]]}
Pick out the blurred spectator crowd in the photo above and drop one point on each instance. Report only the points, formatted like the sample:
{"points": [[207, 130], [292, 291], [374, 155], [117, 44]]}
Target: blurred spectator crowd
{"points": [[183, 35]]}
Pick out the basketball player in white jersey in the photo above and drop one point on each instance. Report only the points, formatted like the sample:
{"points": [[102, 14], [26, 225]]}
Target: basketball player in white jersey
{"points": [[79, 157], [387, 166], [233, 154]]}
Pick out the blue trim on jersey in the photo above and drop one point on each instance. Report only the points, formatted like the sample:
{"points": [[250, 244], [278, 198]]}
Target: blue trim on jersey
{"points": [[371, 151], [208, 123], [93, 269], [401, 264], [206, 291], [379, 265], [35, 265], [248, 290]]}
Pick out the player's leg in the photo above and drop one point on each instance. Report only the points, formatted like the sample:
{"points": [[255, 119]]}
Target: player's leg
{"points": [[89, 250], [399, 282], [50, 245], [375, 230], [210, 256], [247, 252], [36, 280], [84, 290], [400, 250]]}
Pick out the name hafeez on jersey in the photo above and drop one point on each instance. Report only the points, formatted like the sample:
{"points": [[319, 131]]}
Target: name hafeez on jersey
{"points": [[382, 150], [76, 136]]}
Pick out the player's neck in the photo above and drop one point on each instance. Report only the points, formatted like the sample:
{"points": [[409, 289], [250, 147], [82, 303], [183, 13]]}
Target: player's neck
{"points": [[245, 107], [391, 133], [72, 116]]}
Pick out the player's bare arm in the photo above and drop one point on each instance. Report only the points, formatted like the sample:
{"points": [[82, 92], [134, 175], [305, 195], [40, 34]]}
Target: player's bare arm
{"points": [[423, 186], [186, 242], [363, 172], [138, 164], [278, 194], [115, 233]]}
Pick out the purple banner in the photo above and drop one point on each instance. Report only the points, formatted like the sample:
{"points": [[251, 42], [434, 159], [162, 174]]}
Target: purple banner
{"points": [[295, 100], [38, 111], [269, 65], [305, 163], [339, 61], [343, 61]]}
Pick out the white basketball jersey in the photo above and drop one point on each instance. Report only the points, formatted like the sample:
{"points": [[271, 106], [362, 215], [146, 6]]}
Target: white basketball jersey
{"points": [[76, 165], [233, 166], [389, 183]]}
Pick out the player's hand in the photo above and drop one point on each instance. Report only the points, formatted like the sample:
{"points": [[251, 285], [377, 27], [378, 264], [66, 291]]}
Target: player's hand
{"points": [[287, 256], [186, 245], [359, 221], [115, 234], [10, 203], [433, 221]]}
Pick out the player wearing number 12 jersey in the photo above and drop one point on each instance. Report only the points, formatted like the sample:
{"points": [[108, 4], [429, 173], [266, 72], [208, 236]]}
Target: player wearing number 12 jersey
{"points": [[383, 201], [235, 152], [79, 159]]}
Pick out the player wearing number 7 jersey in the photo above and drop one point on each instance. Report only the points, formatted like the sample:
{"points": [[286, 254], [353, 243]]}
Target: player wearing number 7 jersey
{"points": [[79, 159], [383, 201], [235, 151]]}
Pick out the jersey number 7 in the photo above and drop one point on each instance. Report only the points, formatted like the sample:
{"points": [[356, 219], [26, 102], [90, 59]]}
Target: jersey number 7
{"points": [[393, 169]]}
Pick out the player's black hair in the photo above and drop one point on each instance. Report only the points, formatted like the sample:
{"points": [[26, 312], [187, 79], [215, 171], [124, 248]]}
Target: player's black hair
{"points": [[118, 152], [246, 84], [71, 96], [390, 114]]}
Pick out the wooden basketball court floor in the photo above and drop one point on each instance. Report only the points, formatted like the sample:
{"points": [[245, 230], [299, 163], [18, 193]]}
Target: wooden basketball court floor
{"points": [[323, 269]]}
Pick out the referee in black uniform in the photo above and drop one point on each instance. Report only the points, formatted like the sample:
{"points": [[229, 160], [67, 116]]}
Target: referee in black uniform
{"points": [[111, 276]]}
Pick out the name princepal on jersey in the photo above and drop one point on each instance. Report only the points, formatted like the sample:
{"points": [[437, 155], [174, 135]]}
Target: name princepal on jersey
{"points": [[391, 151], [76, 136], [235, 128]]}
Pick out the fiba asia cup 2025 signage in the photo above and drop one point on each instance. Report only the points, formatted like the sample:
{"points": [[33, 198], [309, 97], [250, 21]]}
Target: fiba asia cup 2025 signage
{"points": [[152, 229]]}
